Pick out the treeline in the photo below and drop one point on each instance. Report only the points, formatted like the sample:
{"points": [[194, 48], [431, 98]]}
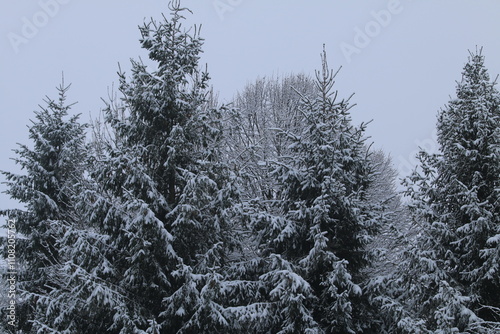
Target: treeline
{"points": [[268, 215]]}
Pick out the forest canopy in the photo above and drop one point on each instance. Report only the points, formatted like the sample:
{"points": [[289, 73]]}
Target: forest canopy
{"points": [[174, 213]]}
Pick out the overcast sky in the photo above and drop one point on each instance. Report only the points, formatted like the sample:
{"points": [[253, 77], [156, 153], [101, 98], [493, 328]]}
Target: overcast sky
{"points": [[400, 58]]}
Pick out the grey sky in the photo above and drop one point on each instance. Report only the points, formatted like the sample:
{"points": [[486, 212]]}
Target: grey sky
{"points": [[402, 67]]}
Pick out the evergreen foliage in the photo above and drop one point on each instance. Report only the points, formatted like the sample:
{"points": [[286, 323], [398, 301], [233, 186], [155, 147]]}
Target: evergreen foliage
{"points": [[171, 197], [273, 216], [53, 168], [449, 280], [322, 221]]}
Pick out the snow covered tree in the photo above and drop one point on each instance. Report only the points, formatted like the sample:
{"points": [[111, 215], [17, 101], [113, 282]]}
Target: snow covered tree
{"points": [[469, 183], [53, 167], [265, 111], [158, 202], [155, 206], [322, 222], [449, 281], [382, 191], [259, 110]]}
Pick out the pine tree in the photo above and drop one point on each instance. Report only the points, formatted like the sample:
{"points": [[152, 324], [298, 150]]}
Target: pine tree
{"points": [[53, 168], [469, 136], [322, 221], [449, 281], [159, 200], [468, 185]]}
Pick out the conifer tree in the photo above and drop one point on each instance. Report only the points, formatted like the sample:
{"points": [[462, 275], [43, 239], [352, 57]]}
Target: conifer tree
{"points": [[469, 184], [53, 168], [322, 221], [449, 280], [156, 206], [160, 200]]}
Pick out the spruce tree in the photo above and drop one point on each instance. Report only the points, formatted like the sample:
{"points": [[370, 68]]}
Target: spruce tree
{"points": [[160, 199], [449, 281], [322, 222], [469, 137], [53, 168], [155, 208]]}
